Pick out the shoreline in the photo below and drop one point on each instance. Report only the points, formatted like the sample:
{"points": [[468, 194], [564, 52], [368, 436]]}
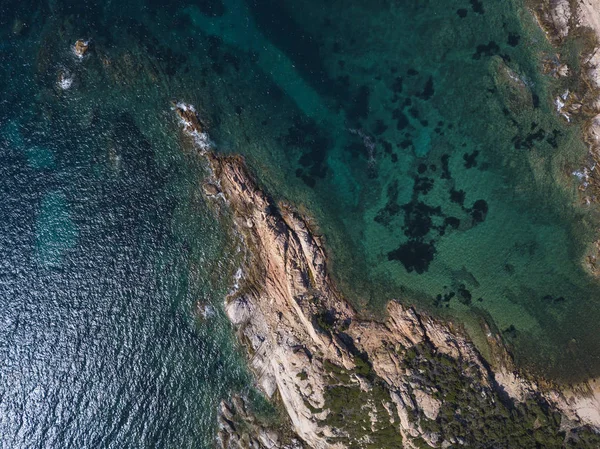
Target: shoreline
{"points": [[317, 357], [303, 395], [564, 20]]}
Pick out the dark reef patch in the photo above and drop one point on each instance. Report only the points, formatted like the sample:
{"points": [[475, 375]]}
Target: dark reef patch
{"points": [[313, 143], [510, 332], [471, 159], [387, 147], [380, 127], [277, 22], [397, 85], [406, 143], [359, 107], [464, 295], [479, 211], [477, 6], [418, 218], [220, 59], [445, 168], [385, 215], [554, 299], [414, 255], [530, 138], [552, 138], [453, 222], [423, 185], [442, 299], [513, 39], [489, 49], [428, 90], [457, 196], [402, 121], [210, 8]]}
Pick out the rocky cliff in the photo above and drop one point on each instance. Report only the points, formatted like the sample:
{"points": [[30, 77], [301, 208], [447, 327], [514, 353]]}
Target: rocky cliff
{"points": [[345, 382]]}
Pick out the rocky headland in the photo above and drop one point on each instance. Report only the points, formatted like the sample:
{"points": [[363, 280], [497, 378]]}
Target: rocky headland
{"points": [[343, 381]]}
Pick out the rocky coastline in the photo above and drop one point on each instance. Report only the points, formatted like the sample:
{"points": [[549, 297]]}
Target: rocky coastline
{"points": [[342, 381], [563, 21]]}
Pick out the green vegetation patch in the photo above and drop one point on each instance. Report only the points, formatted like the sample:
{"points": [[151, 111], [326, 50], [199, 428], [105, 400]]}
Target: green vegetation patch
{"points": [[350, 408], [479, 417]]}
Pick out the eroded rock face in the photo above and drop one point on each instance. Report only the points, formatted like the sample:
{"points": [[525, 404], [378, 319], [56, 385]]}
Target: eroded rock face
{"points": [[554, 17], [560, 15], [275, 316], [305, 340], [210, 189]]}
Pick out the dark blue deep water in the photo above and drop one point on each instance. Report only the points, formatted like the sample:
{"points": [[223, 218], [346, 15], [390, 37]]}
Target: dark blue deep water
{"points": [[109, 258], [421, 135]]}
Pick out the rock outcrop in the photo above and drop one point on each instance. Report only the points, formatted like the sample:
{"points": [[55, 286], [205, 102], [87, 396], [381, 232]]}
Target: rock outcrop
{"points": [[65, 80], [81, 47], [560, 20], [188, 117], [239, 429], [345, 381]]}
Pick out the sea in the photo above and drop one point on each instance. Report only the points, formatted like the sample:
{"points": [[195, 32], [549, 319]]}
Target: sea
{"points": [[421, 137]]}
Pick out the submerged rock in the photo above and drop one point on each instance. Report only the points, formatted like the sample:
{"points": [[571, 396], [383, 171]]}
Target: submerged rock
{"points": [[206, 311], [515, 89], [562, 20], [18, 27], [65, 80]]}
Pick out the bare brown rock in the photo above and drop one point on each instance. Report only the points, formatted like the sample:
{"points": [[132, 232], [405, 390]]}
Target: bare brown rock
{"points": [[287, 290], [81, 47]]}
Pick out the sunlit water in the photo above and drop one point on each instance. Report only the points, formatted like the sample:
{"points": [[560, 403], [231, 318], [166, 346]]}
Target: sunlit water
{"points": [[392, 123]]}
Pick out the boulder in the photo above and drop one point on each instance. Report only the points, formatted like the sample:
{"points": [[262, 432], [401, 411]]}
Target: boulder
{"points": [[81, 47]]}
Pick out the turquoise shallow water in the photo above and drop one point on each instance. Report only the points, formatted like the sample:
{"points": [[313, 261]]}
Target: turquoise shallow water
{"points": [[424, 140], [437, 167], [420, 135]]}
